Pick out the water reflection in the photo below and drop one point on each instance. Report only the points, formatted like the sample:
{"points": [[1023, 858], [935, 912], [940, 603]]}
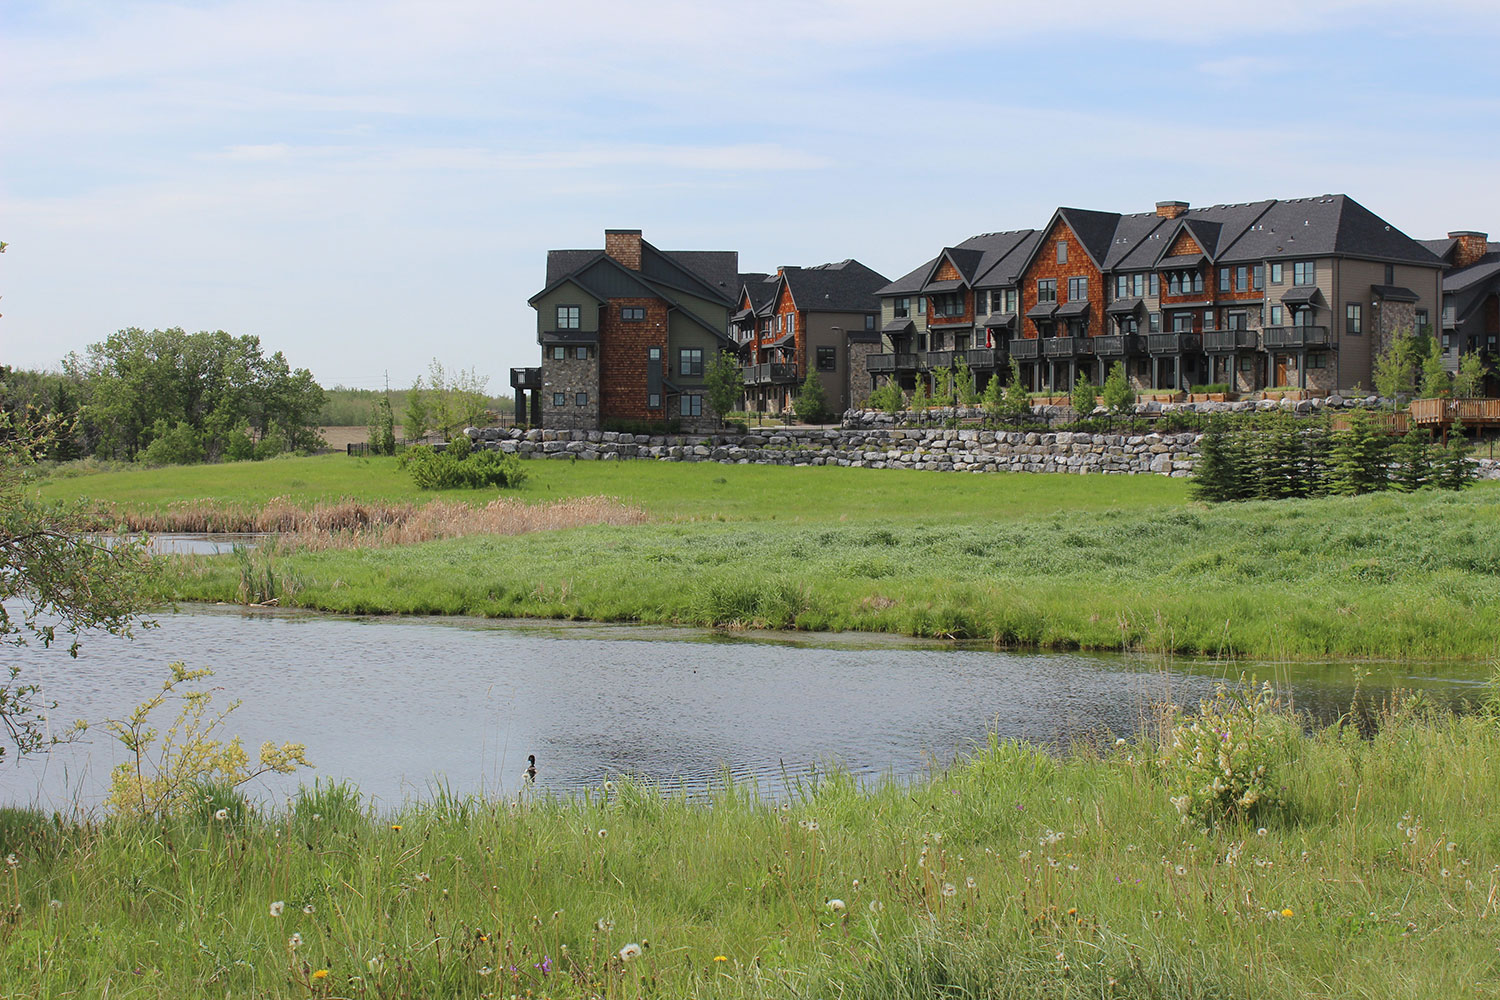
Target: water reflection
{"points": [[392, 703]]}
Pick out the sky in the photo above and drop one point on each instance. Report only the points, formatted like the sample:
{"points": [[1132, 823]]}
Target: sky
{"points": [[370, 185]]}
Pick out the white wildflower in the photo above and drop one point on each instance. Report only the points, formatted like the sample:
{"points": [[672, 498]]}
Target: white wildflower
{"points": [[277, 907]]}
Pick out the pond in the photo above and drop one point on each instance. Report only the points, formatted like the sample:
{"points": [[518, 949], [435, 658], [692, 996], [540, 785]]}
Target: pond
{"points": [[397, 704]]}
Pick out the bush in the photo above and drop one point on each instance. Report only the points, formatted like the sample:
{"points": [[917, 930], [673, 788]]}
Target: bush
{"points": [[651, 428], [1118, 396], [887, 397], [180, 445], [1221, 765], [237, 444], [1208, 387], [811, 404], [1082, 397], [432, 470]]}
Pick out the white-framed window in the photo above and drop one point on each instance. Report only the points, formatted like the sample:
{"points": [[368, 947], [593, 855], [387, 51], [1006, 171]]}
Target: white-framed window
{"points": [[569, 317]]}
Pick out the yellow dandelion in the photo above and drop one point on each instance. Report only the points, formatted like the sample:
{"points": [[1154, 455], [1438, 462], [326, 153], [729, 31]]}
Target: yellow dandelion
{"points": [[721, 958], [1287, 912], [320, 974], [396, 827]]}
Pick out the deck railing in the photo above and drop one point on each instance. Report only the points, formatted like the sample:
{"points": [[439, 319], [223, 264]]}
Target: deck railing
{"points": [[1442, 412]]}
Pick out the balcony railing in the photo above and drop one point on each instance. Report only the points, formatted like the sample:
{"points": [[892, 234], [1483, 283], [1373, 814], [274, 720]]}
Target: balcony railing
{"points": [[1276, 337], [1173, 343], [769, 373], [1060, 347], [525, 378], [1025, 350], [1473, 412], [1117, 345], [886, 363], [985, 357], [1215, 341]]}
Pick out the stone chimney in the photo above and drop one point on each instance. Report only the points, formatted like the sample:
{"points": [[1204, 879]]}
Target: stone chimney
{"points": [[1170, 209], [624, 245], [1471, 247]]}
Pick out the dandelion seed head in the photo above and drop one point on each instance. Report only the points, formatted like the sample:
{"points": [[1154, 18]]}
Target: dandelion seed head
{"points": [[295, 941], [949, 889], [629, 952], [221, 814], [56, 904], [309, 909], [835, 905], [277, 907], [603, 833]]}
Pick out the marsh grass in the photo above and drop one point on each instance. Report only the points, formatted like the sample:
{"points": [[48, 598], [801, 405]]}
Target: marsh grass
{"points": [[1016, 873]]}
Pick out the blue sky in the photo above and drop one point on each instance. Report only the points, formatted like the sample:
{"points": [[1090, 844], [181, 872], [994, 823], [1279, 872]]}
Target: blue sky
{"points": [[368, 185]]}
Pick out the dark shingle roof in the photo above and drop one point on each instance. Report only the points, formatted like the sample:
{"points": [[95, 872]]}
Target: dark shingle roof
{"points": [[1095, 230], [561, 263], [909, 283], [846, 286], [761, 288], [1004, 256]]}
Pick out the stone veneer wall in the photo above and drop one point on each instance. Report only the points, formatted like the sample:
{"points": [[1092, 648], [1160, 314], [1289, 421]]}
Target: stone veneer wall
{"points": [[570, 377]]}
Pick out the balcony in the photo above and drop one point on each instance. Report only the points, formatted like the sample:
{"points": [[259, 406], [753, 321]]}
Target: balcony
{"points": [[525, 378], [1026, 350], [1226, 341], [986, 357], [885, 364], [1063, 347], [1118, 345], [772, 373], [1180, 342], [1281, 337]]}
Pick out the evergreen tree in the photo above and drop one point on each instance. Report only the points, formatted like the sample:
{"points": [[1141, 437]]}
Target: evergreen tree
{"points": [[1118, 396], [1357, 457], [994, 398], [1456, 472], [1218, 475], [942, 381], [811, 404], [1412, 456], [963, 384], [1017, 399], [1083, 397], [920, 401]]}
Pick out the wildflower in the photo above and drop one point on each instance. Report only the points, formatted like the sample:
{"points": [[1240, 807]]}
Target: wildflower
{"points": [[221, 814], [630, 951], [1452, 847], [1446, 873], [1120, 741], [374, 963], [609, 786], [1287, 912], [309, 909], [277, 907], [876, 906], [295, 941], [949, 889], [56, 904], [1181, 870], [835, 905], [396, 827], [485, 970], [423, 877], [812, 825], [317, 816], [604, 925], [1072, 911], [1260, 832], [721, 958], [603, 833], [969, 882], [320, 974], [1061, 957]]}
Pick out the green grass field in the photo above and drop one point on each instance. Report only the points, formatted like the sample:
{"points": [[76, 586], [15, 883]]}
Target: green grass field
{"points": [[1019, 874], [1044, 560]]}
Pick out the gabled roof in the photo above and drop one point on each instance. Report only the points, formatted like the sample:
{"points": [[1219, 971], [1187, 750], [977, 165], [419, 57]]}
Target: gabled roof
{"points": [[844, 286], [965, 261], [761, 289], [1095, 230], [1004, 254], [709, 274], [909, 283], [593, 269]]}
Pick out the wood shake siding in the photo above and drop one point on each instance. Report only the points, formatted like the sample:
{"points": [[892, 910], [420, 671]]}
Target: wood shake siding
{"points": [[1183, 245], [623, 347], [947, 272], [1044, 265], [787, 307]]}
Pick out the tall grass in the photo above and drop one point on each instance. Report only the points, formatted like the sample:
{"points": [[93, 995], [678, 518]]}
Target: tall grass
{"points": [[1013, 874]]}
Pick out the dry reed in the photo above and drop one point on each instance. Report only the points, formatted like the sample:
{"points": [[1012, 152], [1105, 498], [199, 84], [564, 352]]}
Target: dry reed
{"points": [[359, 524]]}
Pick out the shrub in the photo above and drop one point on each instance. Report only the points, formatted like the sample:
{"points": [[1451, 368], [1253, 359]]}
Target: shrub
{"points": [[887, 397], [1118, 396], [1208, 387], [1221, 764], [1082, 396], [179, 445], [237, 444], [459, 446], [811, 404], [432, 470]]}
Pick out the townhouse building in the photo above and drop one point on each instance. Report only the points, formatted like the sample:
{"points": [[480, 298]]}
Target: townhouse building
{"points": [[1301, 292], [820, 319], [626, 332], [1470, 321]]}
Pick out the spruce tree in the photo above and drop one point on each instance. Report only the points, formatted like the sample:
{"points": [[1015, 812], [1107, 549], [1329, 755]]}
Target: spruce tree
{"points": [[1083, 399], [1017, 399], [811, 404], [1118, 396], [994, 399], [1216, 475], [1412, 456], [1457, 472]]}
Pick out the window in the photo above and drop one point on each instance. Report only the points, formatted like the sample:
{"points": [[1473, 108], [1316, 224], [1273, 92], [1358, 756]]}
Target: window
{"points": [[1422, 321], [1352, 325], [1062, 251], [1242, 279], [1182, 322], [1305, 272], [568, 317], [1317, 361], [901, 307], [653, 353], [581, 399], [1247, 364], [1237, 320], [1129, 324], [581, 353], [1223, 279], [791, 322], [559, 353], [1390, 274], [1302, 316], [653, 400], [692, 406], [1122, 286], [632, 314], [1043, 328], [1154, 324], [690, 361], [1258, 277], [1138, 285], [1078, 289], [948, 304], [559, 399], [1155, 284], [1078, 328], [921, 305], [937, 340], [827, 359], [1276, 316], [780, 319], [1447, 343], [869, 321], [1275, 274], [1208, 319], [1046, 290]]}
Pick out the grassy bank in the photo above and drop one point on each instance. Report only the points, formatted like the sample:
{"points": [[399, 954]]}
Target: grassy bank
{"points": [[1016, 874], [1050, 561]]}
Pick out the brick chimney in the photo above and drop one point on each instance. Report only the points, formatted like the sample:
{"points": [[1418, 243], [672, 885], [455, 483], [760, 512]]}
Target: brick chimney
{"points": [[1471, 247], [1170, 209], [624, 245]]}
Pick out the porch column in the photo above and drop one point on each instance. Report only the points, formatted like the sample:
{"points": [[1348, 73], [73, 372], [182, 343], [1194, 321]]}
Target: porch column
{"points": [[521, 406], [536, 407], [1302, 369], [1155, 370]]}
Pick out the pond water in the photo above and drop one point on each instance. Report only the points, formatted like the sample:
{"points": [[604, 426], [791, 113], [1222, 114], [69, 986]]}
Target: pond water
{"points": [[396, 704]]}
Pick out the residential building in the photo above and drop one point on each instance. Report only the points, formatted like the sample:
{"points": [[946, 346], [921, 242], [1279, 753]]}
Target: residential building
{"points": [[1470, 321], [1301, 292], [807, 319], [626, 333]]}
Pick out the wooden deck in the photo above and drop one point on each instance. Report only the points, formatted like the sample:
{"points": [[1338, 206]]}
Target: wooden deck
{"points": [[1441, 412]]}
